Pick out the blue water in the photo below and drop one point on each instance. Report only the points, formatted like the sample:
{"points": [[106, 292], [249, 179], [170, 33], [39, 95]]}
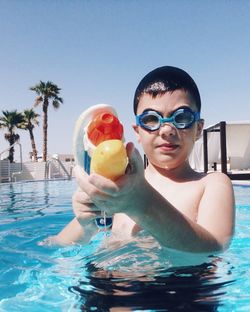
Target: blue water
{"points": [[134, 275]]}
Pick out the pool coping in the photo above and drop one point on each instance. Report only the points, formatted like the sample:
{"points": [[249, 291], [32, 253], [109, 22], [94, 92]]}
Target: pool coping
{"points": [[241, 182], [36, 180]]}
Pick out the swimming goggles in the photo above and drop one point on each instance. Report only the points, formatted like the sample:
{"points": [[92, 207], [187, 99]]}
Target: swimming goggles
{"points": [[182, 118]]}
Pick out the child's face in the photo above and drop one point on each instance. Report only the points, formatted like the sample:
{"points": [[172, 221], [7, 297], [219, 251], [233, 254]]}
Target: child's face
{"points": [[168, 147]]}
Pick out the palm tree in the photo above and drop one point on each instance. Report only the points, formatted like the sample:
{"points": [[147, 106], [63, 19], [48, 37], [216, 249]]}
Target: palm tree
{"points": [[11, 120], [46, 91], [29, 123]]}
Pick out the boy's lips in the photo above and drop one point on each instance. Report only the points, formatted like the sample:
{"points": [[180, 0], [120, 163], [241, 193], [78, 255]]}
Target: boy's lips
{"points": [[168, 146]]}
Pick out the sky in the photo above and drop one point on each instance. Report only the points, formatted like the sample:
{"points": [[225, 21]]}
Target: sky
{"points": [[97, 51]]}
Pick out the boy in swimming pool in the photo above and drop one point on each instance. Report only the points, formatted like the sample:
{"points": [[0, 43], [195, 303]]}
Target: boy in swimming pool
{"points": [[182, 209]]}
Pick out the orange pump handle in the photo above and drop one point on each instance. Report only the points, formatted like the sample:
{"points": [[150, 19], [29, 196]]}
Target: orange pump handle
{"points": [[105, 126]]}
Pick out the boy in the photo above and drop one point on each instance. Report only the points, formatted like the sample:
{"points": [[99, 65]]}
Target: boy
{"points": [[182, 209]]}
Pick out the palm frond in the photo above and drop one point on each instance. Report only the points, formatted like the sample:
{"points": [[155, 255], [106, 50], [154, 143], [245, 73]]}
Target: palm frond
{"points": [[30, 119], [56, 104], [11, 119], [38, 100], [11, 137]]}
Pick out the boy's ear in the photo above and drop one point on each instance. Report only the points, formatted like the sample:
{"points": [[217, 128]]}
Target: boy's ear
{"points": [[200, 125], [136, 129]]}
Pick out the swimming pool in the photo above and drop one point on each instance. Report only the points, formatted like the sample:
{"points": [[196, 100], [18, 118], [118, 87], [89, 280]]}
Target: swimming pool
{"points": [[131, 276]]}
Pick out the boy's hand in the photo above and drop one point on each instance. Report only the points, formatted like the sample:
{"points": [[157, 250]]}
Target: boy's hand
{"points": [[84, 209], [101, 194]]}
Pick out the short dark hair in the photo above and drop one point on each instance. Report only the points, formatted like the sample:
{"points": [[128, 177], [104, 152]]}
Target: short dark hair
{"points": [[166, 79]]}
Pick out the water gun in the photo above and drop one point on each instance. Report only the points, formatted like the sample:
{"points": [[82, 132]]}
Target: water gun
{"points": [[98, 146]]}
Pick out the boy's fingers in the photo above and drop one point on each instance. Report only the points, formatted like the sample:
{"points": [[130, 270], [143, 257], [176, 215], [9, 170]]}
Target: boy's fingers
{"points": [[135, 161], [92, 187], [84, 181], [98, 187], [130, 148], [116, 188], [81, 197], [78, 170], [79, 174], [106, 186]]}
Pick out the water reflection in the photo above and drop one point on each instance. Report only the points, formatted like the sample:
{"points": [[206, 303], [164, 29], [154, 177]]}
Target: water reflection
{"points": [[20, 200], [183, 289]]}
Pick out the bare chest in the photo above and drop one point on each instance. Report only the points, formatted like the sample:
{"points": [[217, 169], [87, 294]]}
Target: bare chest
{"points": [[185, 197]]}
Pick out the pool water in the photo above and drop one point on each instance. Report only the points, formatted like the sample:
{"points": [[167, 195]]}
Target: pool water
{"points": [[103, 276]]}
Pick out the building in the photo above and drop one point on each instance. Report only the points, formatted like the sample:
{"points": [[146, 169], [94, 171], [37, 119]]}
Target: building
{"points": [[224, 146]]}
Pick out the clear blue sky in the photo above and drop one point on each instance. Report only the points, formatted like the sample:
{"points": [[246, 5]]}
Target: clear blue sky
{"points": [[97, 51]]}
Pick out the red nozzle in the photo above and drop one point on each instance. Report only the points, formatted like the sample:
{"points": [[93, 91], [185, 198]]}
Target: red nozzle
{"points": [[105, 126]]}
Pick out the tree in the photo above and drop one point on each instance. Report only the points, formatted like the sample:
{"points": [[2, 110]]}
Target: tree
{"points": [[11, 120], [29, 123], [47, 92]]}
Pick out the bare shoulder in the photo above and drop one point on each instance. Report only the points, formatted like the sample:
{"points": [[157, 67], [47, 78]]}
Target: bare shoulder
{"points": [[216, 178]]}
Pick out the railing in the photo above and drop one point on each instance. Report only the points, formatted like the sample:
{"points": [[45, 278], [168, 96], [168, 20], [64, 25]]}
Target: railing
{"points": [[11, 175], [47, 173]]}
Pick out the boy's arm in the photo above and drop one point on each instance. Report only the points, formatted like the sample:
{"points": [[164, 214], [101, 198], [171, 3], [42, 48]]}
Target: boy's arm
{"points": [[217, 208], [82, 228], [214, 227], [72, 232]]}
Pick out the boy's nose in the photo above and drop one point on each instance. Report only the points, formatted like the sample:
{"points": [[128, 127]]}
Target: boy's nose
{"points": [[167, 128]]}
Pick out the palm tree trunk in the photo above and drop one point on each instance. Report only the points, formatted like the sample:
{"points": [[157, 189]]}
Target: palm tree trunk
{"points": [[33, 144], [12, 150], [45, 128]]}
